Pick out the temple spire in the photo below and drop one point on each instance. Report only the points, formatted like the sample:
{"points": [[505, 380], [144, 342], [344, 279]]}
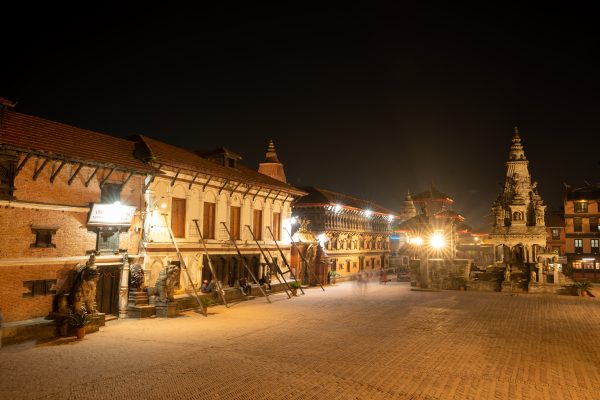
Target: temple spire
{"points": [[272, 166]]}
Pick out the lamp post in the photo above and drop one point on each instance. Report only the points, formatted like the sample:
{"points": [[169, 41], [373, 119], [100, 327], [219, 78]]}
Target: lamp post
{"points": [[435, 242]]}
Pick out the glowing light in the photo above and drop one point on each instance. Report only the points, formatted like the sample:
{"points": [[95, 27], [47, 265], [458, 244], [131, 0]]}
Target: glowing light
{"points": [[417, 241], [337, 208], [293, 220], [368, 213], [117, 203], [437, 241], [322, 239], [390, 218], [163, 205]]}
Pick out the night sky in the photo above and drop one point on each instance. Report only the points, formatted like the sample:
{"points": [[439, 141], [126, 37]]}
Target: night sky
{"points": [[366, 101]]}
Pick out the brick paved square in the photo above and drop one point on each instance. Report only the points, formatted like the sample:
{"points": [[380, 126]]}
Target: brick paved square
{"points": [[388, 343]]}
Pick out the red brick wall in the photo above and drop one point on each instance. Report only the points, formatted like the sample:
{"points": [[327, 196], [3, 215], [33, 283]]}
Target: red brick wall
{"points": [[72, 238], [16, 307]]}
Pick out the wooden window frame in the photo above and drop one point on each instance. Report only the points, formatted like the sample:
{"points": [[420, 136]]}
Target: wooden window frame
{"points": [[178, 233], [235, 224], [209, 216]]}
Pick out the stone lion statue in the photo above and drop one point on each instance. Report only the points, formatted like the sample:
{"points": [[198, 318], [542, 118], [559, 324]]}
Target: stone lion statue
{"points": [[136, 277], [83, 292], [165, 283]]}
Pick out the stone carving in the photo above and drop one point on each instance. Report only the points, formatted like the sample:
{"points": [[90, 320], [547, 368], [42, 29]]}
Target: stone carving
{"points": [[507, 274], [136, 277], [165, 284], [532, 276], [83, 292]]}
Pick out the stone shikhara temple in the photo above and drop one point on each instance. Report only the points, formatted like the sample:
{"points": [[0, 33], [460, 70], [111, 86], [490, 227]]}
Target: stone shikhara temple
{"points": [[519, 232]]}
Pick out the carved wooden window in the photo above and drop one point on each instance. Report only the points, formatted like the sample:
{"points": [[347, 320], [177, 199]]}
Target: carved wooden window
{"points": [[208, 223], [594, 245], [277, 226], [234, 224], [257, 224], [577, 225], [178, 217], [111, 193], [39, 288], [108, 239], [578, 246], [581, 206], [43, 236], [594, 225]]}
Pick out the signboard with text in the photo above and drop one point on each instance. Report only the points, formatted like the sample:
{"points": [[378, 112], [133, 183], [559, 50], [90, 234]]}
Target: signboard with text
{"points": [[111, 214]]}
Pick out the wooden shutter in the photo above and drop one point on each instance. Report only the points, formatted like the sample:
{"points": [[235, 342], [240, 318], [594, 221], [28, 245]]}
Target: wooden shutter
{"points": [[257, 225], [235, 222], [209, 220], [277, 226], [178, 217]]}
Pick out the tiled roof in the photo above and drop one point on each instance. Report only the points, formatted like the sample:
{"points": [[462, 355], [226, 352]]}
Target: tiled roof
{"points": [[450, 215], [29, 133], [318, 196], [590, 192], [177, 157], [432, 194]]}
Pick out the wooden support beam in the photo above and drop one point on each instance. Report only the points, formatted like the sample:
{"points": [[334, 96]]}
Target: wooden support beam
{"points": [[276, 195], [236, 186], [268, 194], [150, 179], [193, 180], [55, 173], [127, 179], [72, 178], [286, 197], [223, 187], [22, 163], [175, 177], [106, 178], [255, 194], [247, 191], [40, 169], [87, 183], [206, 183]]}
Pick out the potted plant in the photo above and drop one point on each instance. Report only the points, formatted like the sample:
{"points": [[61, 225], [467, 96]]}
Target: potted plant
{"points": [[333, 275], [582, 288], [79, 321], [295, 285]]}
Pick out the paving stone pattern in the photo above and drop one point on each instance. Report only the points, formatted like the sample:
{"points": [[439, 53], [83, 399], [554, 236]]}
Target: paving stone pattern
{"points": [[386, 343]]}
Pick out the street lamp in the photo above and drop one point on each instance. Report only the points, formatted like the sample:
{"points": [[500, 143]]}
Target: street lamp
{"points": [[436, 242]]}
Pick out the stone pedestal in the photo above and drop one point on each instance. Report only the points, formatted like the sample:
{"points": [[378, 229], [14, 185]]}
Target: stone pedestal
{"points": [[138, 305], [166, 310], [509, 286]]}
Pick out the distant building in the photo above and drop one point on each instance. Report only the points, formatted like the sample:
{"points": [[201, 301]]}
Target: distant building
{"points": [[582, 212], [555, 233], [352, 234]]}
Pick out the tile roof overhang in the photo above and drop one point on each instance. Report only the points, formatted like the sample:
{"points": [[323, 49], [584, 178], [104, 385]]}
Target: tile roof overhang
{"points": [[28, 134], [178, 158], [318, 197]]}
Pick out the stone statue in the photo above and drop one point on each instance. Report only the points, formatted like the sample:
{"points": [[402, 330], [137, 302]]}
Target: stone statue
{"points": [[83, 291], [136, 277], [165, 283], [532, 276], [507, 274]]}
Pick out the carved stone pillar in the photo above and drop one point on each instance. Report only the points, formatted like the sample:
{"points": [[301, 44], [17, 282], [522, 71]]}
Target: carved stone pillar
{"points": [[124, 287]]}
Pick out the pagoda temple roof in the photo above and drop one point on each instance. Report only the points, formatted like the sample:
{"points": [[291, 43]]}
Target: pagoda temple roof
{"points": [[321, 197], [432, 194]]}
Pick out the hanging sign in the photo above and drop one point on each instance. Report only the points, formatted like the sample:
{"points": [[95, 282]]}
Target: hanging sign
{"points": [[111, 214]]}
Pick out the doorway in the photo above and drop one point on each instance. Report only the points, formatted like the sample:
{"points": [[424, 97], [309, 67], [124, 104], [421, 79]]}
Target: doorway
{"points": [[107, 289]]}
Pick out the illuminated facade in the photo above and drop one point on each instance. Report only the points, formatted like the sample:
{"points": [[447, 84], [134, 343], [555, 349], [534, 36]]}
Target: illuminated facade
{"points": [[582, 211], [212, 188], [354, 233], [519, 231], [58, 189]]}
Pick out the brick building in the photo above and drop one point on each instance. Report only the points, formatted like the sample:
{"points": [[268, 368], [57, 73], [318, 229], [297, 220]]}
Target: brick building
{"points": [[57, 184], [582, 211]]}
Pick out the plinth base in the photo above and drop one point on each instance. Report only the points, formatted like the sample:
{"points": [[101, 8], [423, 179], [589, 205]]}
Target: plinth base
{"points": [[166, 311]]}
